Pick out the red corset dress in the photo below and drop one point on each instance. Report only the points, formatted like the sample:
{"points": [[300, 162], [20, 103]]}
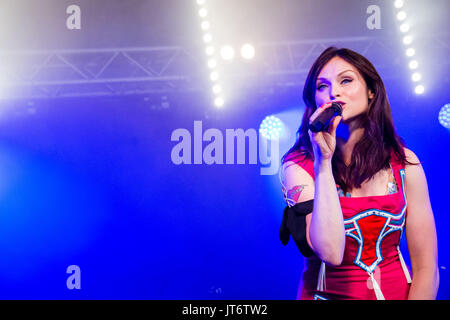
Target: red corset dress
{"points": [[372, 267]]}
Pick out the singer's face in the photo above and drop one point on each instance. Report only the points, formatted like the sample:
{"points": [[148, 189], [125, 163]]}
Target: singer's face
{"points": [[341, 81]]}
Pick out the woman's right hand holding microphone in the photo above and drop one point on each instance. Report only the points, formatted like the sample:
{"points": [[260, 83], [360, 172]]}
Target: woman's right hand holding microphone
{"points": [[324, 142]]}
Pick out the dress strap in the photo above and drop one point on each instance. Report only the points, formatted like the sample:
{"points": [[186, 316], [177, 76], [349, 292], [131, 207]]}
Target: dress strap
{"points": [[321, 279], [376, 288], [405, 269]]}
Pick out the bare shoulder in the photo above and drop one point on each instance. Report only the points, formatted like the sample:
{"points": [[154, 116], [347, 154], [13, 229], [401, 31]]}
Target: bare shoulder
{"points": [[411, 156], [294, 172], [415, 175]]}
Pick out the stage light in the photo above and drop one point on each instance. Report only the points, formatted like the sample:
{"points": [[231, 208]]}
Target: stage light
{"points": [[419, 89], [227, 52], [203, 12], [212, 63], [271, 128], [207, 37], [404, 27], [413, 64], [416, 76], [248, 51], [407, 40], [410, 52], [401, 16], [398, 4], [217, 89], [219, 102], [214, 76], [210, 50], [205, 25], [444, 116]]}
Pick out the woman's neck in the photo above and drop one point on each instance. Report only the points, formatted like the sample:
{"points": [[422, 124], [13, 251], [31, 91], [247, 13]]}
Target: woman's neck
{"points": [[347, 135]]}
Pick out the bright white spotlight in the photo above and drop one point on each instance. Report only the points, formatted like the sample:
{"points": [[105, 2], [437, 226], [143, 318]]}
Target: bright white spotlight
{"points": [[398, 4], [271, 128], [227, 52], [404, 27], [419, 89], [416, 76], [219, 102], [210, 50], [212, 63], [200, 2], [401, 16], [413, 64], [407, 40], [207, 37], [217, 89], [248, 51], [444, 116], [202, 12], [205, 25], [214, 76], [410, 52]]}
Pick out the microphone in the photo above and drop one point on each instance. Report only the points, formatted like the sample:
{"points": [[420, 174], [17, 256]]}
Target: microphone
{"points": [[324, 119]]}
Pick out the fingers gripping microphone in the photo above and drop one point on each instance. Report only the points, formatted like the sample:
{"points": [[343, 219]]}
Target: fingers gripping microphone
{"points": [[324, 119]]}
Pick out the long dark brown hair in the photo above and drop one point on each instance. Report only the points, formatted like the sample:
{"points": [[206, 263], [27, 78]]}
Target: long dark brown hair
{"points": [[372, 152]]}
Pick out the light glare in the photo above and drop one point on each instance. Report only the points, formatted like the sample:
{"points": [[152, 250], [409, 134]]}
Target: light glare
{"points": [[205, 25], [214, 76], [227, 53], [416, 76], [217, 89], [212, 63], [219, 102], [207, 38], [202, 12], [401, 15], [404, 27], [407, 40], [410, 52], [413, 64], [248, 51], [210, 50], [398, 4], [419, 89]]}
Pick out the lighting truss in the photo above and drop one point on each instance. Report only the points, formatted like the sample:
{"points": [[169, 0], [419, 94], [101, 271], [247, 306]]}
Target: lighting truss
{"points": [[145, 70]]}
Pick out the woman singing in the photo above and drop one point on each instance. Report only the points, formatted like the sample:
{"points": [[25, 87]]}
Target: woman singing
{"points": [[352, 191]]}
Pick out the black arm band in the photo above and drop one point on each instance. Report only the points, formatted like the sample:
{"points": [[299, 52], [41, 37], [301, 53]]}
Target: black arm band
{"points": [[294, 224]]}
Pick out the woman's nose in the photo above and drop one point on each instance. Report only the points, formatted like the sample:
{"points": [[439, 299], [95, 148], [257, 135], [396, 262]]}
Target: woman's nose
{"points": [[335, 92]]}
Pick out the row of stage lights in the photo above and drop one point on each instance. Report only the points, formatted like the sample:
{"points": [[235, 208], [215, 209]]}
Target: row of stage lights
{"points": [[272, 127], [410, 51], [227, 53]]}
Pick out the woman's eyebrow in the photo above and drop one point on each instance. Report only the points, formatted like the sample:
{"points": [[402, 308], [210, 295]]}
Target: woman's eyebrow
{"points": [[338, 74]]}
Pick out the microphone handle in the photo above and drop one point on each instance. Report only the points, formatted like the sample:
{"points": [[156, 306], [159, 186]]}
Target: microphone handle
{"points": [[324, 119]]}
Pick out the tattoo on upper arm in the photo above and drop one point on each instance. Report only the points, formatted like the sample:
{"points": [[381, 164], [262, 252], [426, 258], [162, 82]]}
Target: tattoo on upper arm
{"points": [[295, 192]]}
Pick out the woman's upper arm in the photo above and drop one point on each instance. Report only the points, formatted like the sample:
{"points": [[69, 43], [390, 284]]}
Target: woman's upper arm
{"points": [[298, 183], [299, 188], [420, 225]]}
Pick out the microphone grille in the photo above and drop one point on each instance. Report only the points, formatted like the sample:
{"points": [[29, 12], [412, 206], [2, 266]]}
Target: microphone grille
{"points": [[337, 106]]}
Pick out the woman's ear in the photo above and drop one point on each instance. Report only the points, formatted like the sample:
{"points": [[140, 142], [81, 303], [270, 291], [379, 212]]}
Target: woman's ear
{"points": [[370, 94]]}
